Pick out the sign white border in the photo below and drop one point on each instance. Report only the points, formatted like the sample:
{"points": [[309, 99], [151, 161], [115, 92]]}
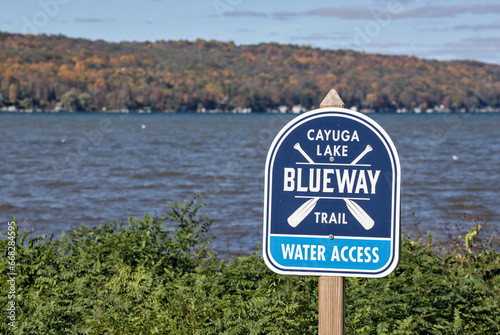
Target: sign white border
{"points": [[382, 271]]}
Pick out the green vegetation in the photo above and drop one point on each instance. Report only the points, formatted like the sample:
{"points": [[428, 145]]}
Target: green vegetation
{"points": [[159, 276], [39, 71]]}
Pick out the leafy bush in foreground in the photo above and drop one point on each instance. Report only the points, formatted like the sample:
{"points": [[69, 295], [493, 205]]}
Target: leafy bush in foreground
{"points": [[158, 276]]}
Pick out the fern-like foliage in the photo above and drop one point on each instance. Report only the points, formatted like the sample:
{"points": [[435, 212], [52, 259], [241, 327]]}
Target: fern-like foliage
{"points": [[158, 275]]}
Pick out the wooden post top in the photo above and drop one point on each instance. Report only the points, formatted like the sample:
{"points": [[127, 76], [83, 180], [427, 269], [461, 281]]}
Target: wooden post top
{"points": [[332, 99]]}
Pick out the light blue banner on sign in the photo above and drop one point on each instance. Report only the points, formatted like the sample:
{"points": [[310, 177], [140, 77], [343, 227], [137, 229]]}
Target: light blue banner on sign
{"points": [[289, 251]]}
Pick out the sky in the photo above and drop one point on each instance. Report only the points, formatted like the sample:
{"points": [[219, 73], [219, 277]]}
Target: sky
{"points": [[437, 29]]}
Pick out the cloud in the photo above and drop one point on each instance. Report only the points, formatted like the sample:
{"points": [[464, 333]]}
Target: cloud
{"points": [[246, 30], [284, 15], [427, 12], [280, 15], [333, 36], [477, 27], [436, 29], [89, 20], [357, 12], [484, 49], [311, 37], [383, 44], [396, 11], [392, 10], [487, 44], [245, 13], [148, 22], [392, 1]]}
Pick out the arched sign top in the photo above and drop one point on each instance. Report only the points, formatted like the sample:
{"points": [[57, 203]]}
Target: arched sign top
{"points": [[332, 197]]}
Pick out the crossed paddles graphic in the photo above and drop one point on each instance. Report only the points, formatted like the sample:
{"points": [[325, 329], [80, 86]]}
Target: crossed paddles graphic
{"points": [[306, 208]]}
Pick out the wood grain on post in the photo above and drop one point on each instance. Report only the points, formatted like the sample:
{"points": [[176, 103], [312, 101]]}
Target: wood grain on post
{"points": [[331, 289], [331, 306]]}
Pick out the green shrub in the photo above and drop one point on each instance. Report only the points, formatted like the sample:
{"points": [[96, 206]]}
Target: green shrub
{"points": [[430, 292], [160, 276]]}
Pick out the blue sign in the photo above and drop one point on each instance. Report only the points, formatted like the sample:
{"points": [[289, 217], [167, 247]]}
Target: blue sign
{"points": [[332, 197]]}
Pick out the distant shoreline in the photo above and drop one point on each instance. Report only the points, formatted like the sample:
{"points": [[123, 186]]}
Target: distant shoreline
{"points": [[487, 110]]}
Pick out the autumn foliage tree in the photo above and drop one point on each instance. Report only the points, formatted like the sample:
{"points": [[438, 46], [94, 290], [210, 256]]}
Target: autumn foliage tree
{"points": [[39, 71]]}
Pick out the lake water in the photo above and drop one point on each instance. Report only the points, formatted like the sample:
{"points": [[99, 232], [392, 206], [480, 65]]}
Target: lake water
{"points": [[60, 170]]}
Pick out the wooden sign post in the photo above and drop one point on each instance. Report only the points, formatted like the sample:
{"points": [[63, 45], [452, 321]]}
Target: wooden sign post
{"points": [[331, 306], [331, 289]]}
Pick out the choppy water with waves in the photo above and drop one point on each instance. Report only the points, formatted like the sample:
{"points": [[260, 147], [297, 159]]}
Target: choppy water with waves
{"points": [[60, 170]]}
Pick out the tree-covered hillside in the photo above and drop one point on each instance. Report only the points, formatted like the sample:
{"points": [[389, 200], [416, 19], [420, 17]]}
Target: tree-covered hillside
{"points": [[39, 71]]}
